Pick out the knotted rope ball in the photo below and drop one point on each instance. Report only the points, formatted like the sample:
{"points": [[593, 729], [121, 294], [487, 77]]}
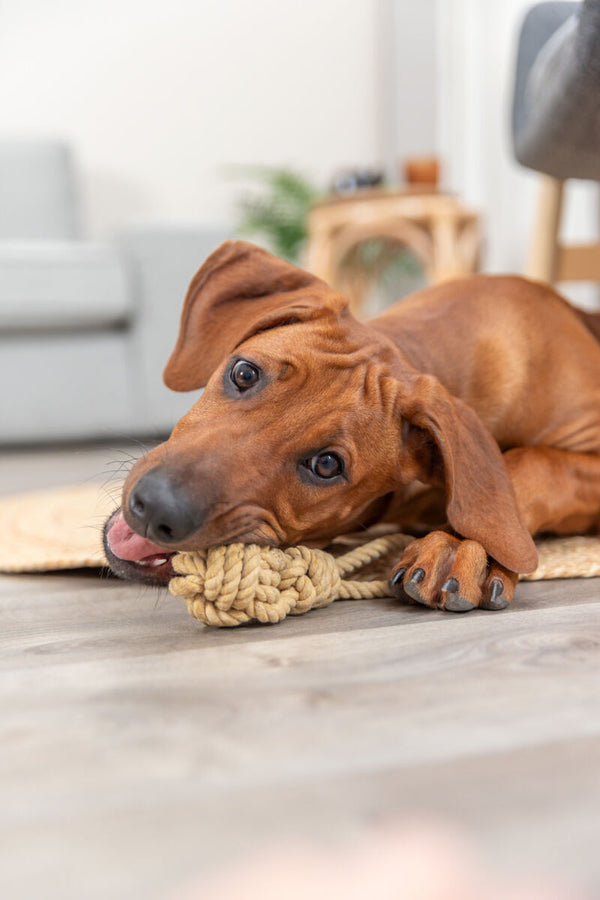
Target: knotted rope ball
{"points": [[239, 583]]}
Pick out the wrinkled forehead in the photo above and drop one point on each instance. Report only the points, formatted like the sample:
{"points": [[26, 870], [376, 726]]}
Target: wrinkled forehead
{"points": [[314, 383], [309, 350]]}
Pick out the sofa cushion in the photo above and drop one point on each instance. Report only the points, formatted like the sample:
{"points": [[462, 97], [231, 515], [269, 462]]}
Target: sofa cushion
{"points": [[61, 285]]}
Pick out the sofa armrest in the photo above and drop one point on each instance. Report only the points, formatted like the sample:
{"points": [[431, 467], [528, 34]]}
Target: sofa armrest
{"points": [[161, 261]]}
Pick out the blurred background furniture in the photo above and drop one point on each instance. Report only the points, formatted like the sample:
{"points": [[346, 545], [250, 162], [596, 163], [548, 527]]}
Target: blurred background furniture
{"points": [[556, 125], [85, 327], [435, 227]]}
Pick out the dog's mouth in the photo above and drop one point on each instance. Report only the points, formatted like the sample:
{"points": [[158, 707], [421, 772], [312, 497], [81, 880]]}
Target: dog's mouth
{"points": [[134, 557]]}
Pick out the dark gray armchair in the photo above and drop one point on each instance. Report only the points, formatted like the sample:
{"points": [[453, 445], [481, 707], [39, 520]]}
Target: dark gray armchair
{"points": [[556, 123]]}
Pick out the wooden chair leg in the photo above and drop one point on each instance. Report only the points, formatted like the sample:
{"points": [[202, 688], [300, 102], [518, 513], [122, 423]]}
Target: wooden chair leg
{"points": [[542, 263]]}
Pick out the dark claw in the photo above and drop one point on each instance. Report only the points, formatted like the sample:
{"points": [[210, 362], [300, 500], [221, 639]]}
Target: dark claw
{"points": [[397, 589], [418, 576], [412, 587], [501, 603], [496, 600], [397, 578], [451, 585], [458, 604]]}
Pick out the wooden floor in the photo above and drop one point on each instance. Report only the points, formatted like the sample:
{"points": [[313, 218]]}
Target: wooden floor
{"points": [[138, 748]]}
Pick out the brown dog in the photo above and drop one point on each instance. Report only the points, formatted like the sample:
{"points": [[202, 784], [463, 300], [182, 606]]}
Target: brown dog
{"points": [[472, 407]]}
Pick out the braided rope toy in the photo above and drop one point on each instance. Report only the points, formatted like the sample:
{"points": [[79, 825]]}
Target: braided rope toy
{"points": [[239, 583]]}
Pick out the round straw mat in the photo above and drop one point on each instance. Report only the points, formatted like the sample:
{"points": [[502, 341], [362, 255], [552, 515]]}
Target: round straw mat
{"points": [[53, 529], [61, 528]]}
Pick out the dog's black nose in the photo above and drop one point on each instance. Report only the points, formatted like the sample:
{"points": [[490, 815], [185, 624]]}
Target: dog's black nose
{"points": [[161, 509]]}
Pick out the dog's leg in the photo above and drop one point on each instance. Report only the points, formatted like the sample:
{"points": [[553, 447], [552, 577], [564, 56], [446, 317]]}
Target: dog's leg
{"points": [[557, 491]]}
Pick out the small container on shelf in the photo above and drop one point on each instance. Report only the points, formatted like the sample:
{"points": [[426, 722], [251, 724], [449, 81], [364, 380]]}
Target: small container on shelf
{"points": [[422, 171]]}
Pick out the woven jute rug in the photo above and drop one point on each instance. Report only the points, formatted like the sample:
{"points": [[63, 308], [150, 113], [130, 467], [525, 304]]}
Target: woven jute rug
{"points": [[61, 528]]}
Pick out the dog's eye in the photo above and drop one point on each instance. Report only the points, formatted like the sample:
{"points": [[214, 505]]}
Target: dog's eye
{"points": [[326, 465], [244, 375]]}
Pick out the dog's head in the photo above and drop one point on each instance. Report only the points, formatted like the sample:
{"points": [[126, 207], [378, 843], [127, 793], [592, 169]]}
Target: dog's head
{"points": [[308, 421]]}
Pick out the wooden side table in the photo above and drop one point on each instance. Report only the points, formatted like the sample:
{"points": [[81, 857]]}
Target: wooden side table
{"points": [[435, 227]]}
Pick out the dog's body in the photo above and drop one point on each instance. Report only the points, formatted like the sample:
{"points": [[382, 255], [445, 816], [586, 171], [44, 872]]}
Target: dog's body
{"points": [[473, 407]]}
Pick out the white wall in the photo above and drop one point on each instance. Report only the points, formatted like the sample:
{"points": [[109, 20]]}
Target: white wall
{"points": [[160, 96], [408, 80]]}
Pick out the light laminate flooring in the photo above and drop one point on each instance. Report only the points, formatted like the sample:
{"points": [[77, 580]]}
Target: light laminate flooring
{"points": [[139, 748]]}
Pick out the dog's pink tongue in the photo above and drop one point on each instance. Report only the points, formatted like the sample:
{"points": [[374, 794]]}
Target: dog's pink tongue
{"points": [[126, 544]]}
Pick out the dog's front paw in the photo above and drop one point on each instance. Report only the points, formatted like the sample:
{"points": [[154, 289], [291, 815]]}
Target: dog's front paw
{"points": [[448, 573]]}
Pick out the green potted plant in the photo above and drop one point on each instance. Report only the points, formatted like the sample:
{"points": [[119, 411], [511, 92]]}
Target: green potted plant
{"points": [[277, 209]]}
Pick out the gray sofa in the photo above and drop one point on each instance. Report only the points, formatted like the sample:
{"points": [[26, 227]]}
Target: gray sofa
{"points": [[85, 327]]}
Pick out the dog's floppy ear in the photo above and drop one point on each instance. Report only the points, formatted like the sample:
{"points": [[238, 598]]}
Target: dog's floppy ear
{"points": [[241, 289], [452, 446]]}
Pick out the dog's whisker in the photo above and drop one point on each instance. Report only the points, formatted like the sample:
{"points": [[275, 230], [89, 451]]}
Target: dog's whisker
{"points": [[119, 465], [110, 492]]}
